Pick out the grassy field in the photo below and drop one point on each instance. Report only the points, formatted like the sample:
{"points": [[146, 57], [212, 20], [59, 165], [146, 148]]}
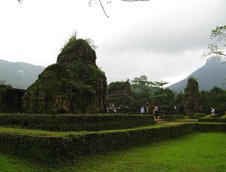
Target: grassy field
{"points": [[195, 152]]}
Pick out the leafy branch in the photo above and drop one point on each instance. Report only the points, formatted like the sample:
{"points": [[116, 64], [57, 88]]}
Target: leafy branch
{"points": [[217, 43]]}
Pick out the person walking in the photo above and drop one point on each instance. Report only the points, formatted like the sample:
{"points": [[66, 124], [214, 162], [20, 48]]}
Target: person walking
{"points": [[142, 110], [212, 110], [156, 112]]}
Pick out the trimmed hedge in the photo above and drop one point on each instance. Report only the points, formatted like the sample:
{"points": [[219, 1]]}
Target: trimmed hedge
{"points": [[63, 148], [196, 115], [221, 120], [58, 149], [171, 117], [37, 148], [207, 127], [75, 122]]}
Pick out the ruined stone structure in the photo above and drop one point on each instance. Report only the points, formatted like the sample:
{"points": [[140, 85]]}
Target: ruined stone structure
{"points": [[73, 85], [119, 89], [10, 99], [119, 96]]}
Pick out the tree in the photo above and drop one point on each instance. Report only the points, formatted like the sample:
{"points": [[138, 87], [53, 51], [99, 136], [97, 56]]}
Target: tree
{"points": [[142, 90], [142, 81], [215, 98], [191, 96], [217, 45], [160, 84], [164, 98]]}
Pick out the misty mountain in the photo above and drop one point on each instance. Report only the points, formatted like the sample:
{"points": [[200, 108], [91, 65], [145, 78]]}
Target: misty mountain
{"points": [[18, 74], [212, 74]]}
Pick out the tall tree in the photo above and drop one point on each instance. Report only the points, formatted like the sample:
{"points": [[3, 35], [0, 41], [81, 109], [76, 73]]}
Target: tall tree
{"points": [[141, 89], [191, 96], [160, 84]]}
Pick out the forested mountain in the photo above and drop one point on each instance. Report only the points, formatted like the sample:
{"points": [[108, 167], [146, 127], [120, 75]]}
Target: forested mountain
{"points": [[18, 74], [212, 74]]}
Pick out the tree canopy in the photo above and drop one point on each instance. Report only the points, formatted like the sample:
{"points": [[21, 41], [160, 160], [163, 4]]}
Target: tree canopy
{"points": [[191, 96], [217, 45]]}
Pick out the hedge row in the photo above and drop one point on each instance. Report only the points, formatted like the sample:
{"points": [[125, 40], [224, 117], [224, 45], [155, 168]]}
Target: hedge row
{"points": [[207, 127], [171, 117], [75, 122], [58, 149], [222, 120]]}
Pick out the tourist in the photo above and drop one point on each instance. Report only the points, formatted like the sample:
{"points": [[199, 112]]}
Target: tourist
{"points": [[212, 110], [142, 110], [155, 111]]}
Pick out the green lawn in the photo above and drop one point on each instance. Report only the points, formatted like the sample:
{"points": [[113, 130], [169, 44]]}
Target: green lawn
{"points": [[195, 152]]}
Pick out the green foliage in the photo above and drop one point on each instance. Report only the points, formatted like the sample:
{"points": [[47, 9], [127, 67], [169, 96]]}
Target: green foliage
{"points": [[216, 98], [57, 149], [10, 99], [119, 94], [118, 86], [163, 97], [223, 116], [191, 96], [142, 81], [74, 82], [204, 152], [75, 122], [210, 127], [171, 117], [74, 43], [63, 147], [142, 90], [196, 115], [217, 45], [160, 84]]}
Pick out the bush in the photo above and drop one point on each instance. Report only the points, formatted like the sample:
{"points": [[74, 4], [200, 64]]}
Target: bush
{"points": [[171, 117], [196, 115], [210, 127], [57, 149], [54, 149], [75, 122]]}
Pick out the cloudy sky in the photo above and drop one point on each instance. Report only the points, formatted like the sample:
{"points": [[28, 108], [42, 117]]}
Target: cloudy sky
{"points": [[162, 39]]}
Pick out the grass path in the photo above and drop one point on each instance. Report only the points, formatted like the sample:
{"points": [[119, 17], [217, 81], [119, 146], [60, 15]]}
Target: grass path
{"points": [[198, 152]]}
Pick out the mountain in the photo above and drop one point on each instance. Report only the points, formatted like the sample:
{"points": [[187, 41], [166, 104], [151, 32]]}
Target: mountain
{"points": [[212, 74], [18, 74]]}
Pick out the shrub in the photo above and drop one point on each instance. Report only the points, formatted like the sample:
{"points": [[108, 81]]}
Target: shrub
{"points": [[75, 122], [57, 149]]}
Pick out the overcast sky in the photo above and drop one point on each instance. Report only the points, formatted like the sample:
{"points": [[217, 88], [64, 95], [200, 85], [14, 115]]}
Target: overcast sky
{"points": [[162, 39]]}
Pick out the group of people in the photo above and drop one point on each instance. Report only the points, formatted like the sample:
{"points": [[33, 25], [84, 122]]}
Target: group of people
{"points": [[111, 109], [155, 111]]}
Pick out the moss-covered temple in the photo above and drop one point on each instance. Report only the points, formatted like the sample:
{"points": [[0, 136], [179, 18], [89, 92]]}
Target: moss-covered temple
{"points": [[73, 85]]}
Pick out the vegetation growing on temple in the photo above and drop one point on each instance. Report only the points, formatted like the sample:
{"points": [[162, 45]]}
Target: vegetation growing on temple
{"points": [[74, 84]]}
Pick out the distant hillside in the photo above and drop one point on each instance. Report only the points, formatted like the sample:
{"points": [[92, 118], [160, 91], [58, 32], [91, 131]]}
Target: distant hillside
{"points": [[17, 74], [212, 74]]}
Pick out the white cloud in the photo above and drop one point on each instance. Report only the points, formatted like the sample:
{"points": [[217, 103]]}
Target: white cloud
{"points": [[159, 38], [157, 66]]}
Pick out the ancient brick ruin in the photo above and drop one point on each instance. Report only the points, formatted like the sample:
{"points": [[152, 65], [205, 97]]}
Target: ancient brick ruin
{"points": [[73, 85]]}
